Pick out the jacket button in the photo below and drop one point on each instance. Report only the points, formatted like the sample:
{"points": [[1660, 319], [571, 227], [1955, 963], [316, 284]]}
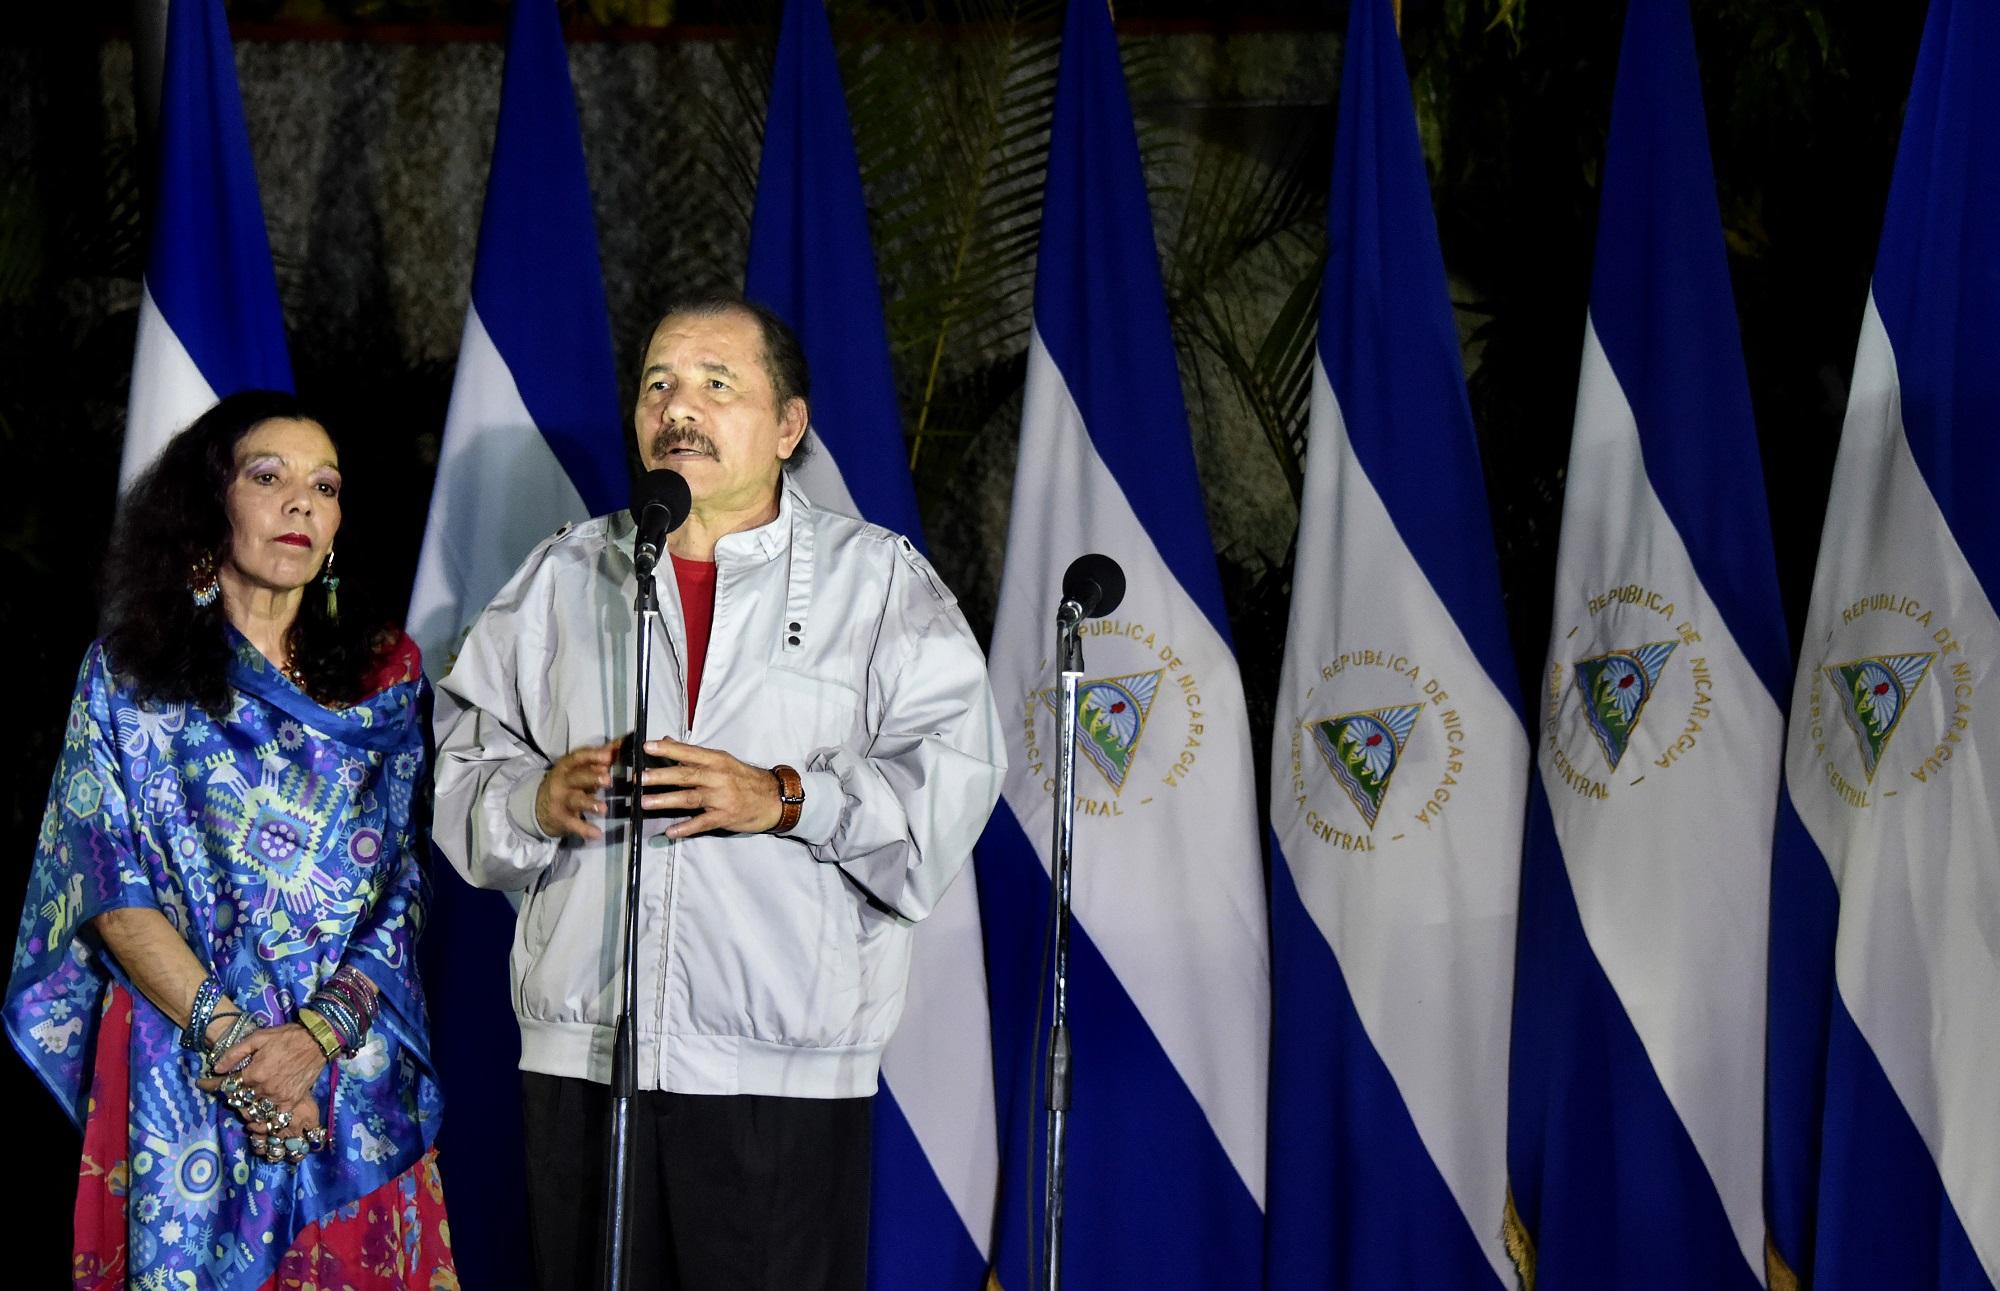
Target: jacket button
{"points": [[657, 841]]}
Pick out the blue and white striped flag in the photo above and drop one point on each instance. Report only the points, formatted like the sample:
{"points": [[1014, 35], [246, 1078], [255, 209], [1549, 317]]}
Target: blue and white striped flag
{"points": [[1885, 1166], [1169, 965], [1399, 760], [811, 260], [1636, 1098], [936, 1155], [533, 440], [209, 320]]}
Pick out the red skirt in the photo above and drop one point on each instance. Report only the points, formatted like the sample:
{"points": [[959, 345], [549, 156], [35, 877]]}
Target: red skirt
{"points": [[397, 1238]]}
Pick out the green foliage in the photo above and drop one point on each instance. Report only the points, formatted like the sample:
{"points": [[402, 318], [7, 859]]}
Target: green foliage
{"points": [[1237, 208], [951, 134], [950, 103], [954, 176]]}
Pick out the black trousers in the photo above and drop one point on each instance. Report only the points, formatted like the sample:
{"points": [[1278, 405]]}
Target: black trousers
{"points": [[742, 1192]]}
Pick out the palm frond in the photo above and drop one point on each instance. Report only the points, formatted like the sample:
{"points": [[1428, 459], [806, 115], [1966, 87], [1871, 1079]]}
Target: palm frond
{"points": [[1272, 376], [1245, 218], [953, 143]]}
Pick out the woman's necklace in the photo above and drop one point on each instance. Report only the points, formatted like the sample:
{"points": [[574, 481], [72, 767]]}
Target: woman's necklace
{"points": [[290, 667]]}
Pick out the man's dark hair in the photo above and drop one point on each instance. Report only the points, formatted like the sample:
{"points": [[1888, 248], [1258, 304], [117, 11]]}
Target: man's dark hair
{"points": [[784, 357]]}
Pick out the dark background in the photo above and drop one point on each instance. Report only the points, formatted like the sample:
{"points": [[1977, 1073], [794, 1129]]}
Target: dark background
{"points": [[1803, 101]]}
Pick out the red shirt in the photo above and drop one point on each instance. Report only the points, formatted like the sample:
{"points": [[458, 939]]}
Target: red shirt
{"points": [[395, 662], [696, 579]]}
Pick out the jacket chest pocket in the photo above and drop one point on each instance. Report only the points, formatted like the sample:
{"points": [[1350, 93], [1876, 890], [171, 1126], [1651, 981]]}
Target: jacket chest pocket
{"points": [[807, 713]]}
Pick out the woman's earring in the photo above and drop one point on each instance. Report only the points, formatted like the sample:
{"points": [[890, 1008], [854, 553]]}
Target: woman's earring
{"points": [[332, 581], [202, 584]]}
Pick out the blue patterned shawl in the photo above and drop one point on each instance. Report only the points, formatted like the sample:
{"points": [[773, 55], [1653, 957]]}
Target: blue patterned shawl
{"points": [[281, 840]]}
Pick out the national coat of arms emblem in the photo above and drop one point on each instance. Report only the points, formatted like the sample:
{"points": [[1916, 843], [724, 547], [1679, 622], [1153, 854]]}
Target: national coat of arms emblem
{"points": [[1111, 715], [1363, 749], [1874, 694], [1615, 688]]}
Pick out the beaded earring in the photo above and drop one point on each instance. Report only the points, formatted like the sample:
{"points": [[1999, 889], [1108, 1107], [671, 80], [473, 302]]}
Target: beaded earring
{"points": [[332, 582], [202, 584]]}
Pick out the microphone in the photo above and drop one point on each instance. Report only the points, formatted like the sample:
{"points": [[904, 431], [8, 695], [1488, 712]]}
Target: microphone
{"points": [[660, 504], [1094, 584]]}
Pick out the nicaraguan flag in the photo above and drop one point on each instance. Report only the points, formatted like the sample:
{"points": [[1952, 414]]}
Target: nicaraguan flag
{"points": [[1169, 991], [1885, 1111], [936, 1154], [1636, 1102], [811, 260], [1399, 760], [209, 321], [533, 437], [533, 440]]}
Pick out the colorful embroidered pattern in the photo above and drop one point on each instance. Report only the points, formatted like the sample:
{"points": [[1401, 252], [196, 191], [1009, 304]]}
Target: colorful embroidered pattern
{"points": [[279, 840]]}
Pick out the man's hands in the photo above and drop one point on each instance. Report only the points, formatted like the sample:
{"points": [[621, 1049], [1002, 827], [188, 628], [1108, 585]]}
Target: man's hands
{"points": [[573, 790], [725, 794]]}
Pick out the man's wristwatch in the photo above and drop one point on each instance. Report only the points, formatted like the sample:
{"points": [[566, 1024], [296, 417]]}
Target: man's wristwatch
{"points": [[791, 798]]}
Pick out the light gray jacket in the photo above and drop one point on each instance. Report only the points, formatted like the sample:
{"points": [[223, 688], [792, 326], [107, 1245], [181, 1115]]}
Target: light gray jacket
{"points": [[768, 965]]}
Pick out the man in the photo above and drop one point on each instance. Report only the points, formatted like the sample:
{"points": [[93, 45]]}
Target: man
{"points": [[828, 750]]}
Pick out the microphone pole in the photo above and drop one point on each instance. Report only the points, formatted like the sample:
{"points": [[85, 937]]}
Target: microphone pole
{"points": [[624, 1055], [1092, 587], [660, 503], [1069, 664]]}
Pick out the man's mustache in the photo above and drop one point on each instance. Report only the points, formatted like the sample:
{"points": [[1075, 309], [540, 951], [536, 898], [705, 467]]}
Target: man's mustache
{"points": [[672, 437]]}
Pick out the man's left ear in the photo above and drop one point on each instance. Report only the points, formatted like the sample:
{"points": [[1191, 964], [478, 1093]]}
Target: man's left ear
{"points": [[796, 419]]}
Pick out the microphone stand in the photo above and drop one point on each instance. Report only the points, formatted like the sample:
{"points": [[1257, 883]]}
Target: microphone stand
{"points": [[624, 1055], [1069, 663]]}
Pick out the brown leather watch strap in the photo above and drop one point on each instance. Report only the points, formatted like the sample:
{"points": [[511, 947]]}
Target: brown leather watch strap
{"points": [[791, 798]]}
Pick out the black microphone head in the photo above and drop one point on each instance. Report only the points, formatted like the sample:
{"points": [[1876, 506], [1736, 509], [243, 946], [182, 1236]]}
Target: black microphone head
{"points": [[663, 489], [1095, 582]]}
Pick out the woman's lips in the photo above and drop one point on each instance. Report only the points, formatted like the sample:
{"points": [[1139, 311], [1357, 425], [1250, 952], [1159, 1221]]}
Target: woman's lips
{"points": [[295, 539]]}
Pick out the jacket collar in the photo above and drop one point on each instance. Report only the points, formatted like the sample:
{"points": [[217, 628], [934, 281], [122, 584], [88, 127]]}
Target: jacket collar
{"points": [[765, 542]]}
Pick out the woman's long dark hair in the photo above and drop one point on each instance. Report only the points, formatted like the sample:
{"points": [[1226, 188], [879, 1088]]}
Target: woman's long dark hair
{"points": [[159, 641]]}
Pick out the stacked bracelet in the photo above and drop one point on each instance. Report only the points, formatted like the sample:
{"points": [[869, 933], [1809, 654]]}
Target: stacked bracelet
{"points": [[322, 1031], [347, 1003], [240, 1025], [206, 997], [346, 1027]]}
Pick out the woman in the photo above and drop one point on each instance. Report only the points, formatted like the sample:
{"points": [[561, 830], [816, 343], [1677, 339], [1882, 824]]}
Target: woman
{"points": [[215, 972]]}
